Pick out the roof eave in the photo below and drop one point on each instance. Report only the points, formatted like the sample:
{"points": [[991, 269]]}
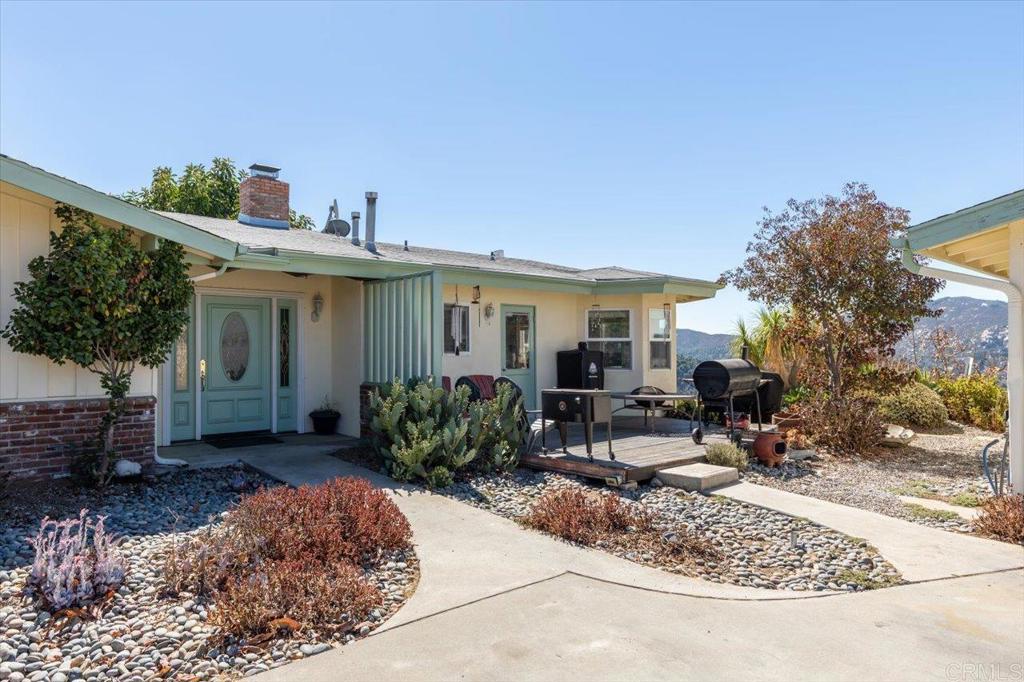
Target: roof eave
{"points": [[967, 222], [66, 191]]}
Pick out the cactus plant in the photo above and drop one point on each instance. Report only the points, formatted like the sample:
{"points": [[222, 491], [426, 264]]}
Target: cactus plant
{"points": [[419, 428]]}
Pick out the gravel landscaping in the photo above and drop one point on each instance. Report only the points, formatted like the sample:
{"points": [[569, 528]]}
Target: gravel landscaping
{"points": [[762, 548], [142, 633], [945, 464]]}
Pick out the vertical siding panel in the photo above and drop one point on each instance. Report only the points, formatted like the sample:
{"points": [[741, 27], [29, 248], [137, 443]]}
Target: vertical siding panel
{"points": [[407, 329], [10, 266], [414, 331], [33, 240]]}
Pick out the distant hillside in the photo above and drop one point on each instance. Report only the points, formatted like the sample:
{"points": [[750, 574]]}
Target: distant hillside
{"points": [[694, 347], [981, 325], [702, 345]]}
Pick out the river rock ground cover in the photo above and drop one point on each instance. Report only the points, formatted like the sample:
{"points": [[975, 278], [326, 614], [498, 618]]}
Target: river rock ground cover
{"points": [[944, 464], [760, 548], [143, 632]]}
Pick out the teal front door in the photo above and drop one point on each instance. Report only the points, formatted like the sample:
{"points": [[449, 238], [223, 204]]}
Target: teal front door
{"points": [[517, 360], [234, 368]]}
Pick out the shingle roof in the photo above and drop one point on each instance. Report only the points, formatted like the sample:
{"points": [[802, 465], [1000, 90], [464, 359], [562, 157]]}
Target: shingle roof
{"points": [[320, 243]]}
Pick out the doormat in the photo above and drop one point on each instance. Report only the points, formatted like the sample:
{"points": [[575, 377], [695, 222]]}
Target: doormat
{"points": [[241, 440]]}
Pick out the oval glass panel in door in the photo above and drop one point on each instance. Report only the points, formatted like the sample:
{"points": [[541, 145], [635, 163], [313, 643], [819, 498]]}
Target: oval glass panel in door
{"points": [[234, 346]]}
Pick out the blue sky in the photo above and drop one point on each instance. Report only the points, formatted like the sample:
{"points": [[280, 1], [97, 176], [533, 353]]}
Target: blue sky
{"points": [[642, 135]]}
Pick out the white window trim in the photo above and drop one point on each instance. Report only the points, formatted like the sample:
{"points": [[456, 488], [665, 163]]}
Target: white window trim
{"points": [[630, 339], [469, 329], [651, 339]]}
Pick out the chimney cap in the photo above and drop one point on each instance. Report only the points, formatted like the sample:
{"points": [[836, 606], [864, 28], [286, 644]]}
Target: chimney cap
{"points": [[263, 170], [371, 195]]}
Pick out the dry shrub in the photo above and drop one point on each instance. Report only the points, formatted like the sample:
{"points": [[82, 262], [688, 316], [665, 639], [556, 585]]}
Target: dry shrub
{"points": [[726, 455], [294, 554], [847, 425], [580, 517], [1002, 517], [342, 519], [334, 596], [913, 405], [978, 399]]}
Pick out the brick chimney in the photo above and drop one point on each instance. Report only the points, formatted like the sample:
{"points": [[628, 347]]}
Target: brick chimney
{"points": [[263, 199]]}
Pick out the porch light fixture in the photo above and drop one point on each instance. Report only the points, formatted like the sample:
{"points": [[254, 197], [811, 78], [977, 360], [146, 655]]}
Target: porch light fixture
{"points": [[667, 307], [318, 307], [476, 293]]}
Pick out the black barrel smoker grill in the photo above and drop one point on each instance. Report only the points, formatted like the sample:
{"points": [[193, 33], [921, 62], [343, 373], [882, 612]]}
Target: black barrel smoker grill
{"points": [[718, 382], [564, 405]]}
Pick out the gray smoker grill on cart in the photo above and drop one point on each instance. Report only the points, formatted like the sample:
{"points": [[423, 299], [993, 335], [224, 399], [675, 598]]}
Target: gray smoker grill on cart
{"points": [[719, 381], [564, 405]]}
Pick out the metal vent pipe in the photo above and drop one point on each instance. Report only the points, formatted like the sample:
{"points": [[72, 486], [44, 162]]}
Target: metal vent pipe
{"points": [[371, 222]]}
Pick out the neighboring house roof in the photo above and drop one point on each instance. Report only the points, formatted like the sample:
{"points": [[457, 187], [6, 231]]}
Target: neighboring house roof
{"points": [[976, 237]]}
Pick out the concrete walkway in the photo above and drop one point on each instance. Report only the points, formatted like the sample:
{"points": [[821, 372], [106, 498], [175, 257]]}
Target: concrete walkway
{"points": [[518, 604], [919, 552], [576, 628]]}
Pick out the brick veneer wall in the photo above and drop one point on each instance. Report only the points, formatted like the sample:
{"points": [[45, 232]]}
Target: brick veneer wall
{"points": [[39, 440]]}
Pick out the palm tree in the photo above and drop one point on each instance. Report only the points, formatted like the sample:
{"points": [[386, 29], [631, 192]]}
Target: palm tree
{"points": [[749, 338], [768, 345]]}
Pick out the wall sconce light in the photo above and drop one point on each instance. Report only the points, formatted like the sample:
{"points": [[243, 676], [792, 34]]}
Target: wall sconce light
{"points": [[476, 293], [667, 307], [489, 310], [318, 307]]}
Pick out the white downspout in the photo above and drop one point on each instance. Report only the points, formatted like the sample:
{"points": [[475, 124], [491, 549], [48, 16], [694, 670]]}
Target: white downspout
{"points": [[167, 461], [1015, 326], [209, 275]]}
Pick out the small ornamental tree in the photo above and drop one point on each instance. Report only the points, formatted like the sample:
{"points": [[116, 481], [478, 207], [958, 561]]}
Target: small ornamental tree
{"points": [[829, 261], [97, 299]]}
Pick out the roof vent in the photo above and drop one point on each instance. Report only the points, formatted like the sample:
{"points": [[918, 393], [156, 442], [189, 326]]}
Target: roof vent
{"points": [[499, 253]]}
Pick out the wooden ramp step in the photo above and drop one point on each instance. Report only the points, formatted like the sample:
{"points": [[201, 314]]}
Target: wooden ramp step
{"points": [[698, 476]]}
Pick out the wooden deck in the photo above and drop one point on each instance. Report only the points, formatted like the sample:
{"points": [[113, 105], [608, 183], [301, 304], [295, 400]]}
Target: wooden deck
{"points": [[639, 453]]}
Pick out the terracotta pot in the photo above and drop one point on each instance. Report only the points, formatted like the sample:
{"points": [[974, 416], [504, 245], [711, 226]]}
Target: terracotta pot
{"points": [[742, 421], [787, 420], [770, 448]]}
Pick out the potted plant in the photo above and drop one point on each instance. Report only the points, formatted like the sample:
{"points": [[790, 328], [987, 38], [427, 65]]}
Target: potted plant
{"points": [[325, 418]]}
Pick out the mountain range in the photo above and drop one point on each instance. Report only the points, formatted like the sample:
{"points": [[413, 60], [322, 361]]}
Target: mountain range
{"points": [[980, 325]]}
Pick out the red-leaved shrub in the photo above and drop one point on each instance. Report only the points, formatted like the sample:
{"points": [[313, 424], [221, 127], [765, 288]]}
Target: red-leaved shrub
{"points": [[292, 554], [334, 596], [346, 518], [580, 517], [1002, 517]]}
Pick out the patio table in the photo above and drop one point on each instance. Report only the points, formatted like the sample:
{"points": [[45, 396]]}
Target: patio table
{"points": [[647, 402]]}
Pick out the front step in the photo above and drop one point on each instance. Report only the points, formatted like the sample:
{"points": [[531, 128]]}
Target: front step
{"points": [[698, 476]]}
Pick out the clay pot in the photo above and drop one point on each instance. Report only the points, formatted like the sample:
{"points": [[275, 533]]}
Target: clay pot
{"points": [[770, 448], [786, 420], [742, 421]]}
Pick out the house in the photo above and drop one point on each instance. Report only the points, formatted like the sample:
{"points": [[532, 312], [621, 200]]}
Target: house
{"points": [[989, 239], [283, 320]]}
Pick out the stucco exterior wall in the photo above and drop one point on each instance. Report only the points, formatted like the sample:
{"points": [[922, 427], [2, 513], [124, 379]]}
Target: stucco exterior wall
{"points": [[553, 317], [25, 223], [560, 321], [347, 350]]}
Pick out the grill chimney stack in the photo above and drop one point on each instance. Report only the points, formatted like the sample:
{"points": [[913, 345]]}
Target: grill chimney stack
{"points": [[355, 228], [371, 222]]}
